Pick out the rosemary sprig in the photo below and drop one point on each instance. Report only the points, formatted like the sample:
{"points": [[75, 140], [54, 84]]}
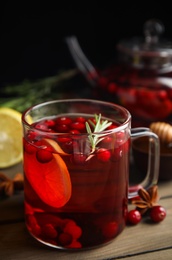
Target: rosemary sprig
{"points": [[28, 93], [98, 127]]}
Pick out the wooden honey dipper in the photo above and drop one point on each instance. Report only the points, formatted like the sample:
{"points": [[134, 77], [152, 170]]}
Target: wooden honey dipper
{"points": [[163, 131]]}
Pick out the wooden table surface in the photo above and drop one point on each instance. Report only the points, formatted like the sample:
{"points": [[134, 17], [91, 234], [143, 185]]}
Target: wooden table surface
{"points": [[143, 241]]}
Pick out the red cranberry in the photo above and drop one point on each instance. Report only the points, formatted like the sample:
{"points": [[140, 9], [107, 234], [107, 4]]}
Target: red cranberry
{"points": [[31, 135], [157, 213], [64, 139], [61, 128], [42, 126], [49, 231], [44, 156], [29, 148], [65, 239], [64, 120], [103, 82], [103, 155], [112, 87], [79, 158], [74, 132], [106, 143], [80, 119], [134, 217], [110, 229], [75, 244], [78, 126], [162, 94], [50, 123], [112, 126], [72, 229]]}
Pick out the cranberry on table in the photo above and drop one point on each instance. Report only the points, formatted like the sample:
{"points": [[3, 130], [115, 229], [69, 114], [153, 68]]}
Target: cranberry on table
{"points": [[134, 217], [157, 213]]}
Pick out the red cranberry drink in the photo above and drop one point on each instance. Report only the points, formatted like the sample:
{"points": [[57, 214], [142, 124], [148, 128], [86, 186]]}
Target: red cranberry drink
{"points": [[76, 161]]}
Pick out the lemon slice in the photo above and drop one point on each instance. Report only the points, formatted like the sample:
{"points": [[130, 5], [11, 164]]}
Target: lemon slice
{"points": [[10, 137]]}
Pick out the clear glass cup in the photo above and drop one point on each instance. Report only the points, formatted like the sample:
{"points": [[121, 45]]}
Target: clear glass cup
{"points": [[76, 176]]}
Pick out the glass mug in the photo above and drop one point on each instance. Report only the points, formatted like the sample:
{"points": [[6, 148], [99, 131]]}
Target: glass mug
{"points": [[76, 171]]}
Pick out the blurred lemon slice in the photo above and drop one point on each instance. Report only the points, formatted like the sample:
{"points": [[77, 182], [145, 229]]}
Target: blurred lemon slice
{"points": [[10, 137]]}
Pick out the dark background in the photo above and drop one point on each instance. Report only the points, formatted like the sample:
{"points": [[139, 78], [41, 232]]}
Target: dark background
{"points": [[32, 34]]}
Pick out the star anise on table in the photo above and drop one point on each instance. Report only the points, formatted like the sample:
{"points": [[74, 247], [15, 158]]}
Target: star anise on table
{"points": [[9, 186], [146, 199]]}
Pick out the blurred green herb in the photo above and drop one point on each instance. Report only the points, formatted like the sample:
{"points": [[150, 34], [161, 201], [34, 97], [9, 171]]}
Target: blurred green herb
{"points": [[28, 93]]}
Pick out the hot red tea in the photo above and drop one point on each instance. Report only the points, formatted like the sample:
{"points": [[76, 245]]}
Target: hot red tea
{"points": [[73, 192]]}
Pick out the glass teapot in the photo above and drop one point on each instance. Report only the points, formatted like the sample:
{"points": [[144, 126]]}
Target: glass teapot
{"points": [[141, 77]]}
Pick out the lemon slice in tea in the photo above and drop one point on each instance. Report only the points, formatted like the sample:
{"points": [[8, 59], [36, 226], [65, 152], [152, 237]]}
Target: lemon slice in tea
{"points": [[10, 137]]}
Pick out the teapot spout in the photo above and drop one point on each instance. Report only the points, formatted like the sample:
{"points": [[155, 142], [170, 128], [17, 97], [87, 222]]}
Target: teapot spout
{"points": [[81, 61]]}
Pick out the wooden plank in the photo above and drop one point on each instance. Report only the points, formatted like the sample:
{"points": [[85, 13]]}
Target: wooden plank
{"points": [[12, 209], [16, 243], [165, 189], [160, 255], [11, 171]]}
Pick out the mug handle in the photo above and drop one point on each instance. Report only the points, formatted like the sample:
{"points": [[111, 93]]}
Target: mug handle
{"points": [[152, 175]]}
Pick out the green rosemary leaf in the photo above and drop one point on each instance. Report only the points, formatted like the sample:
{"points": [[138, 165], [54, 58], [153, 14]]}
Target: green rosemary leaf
{"points": [[100, 126], [98, 118], [28, 93], [91, 138]]}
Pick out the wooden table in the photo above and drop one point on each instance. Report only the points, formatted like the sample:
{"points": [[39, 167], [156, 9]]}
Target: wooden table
{"points": [[143, 241]]}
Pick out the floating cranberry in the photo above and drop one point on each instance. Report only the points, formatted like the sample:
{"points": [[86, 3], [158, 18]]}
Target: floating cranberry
{"points": [[72, 229], [29, 148], [31, 220], [162, 94], [75, 244], [78, 158], [49, 231], [112, 88], [106, 143], [36, 230], [42, 126], [157, 213], [110, 230], [80, 119], [33, 225], [65, 239], [61, 128], [63, 120], [102, 81], [74, 132], [112, 126], [134, 217], [64, 139], [120, 138], [50, 123], [44, 156], [78, 126], [103, 155], [31, 135]]}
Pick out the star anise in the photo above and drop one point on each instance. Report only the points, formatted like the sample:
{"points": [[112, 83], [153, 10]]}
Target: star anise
{"points": [[147, 199], [9, 186]]}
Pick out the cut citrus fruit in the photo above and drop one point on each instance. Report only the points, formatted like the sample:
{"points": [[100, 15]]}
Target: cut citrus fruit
{"points": [[10, 137], [55, 146], [51, 181]]}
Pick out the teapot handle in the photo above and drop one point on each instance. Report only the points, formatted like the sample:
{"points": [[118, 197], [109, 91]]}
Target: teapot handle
{"points": [[81, 61]]}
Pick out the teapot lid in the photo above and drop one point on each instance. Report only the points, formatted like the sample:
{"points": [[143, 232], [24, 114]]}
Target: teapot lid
{"points": [[149, 51]]}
